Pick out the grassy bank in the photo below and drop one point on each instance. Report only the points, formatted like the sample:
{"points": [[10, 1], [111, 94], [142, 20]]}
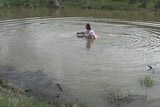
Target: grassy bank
{"points": [[9, 99], [27, 3], [116, 4], [89, 4]]}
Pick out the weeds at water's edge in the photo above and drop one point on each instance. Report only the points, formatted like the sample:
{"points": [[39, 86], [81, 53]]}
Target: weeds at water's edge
{"points": [[9, 99], [147, 82]]}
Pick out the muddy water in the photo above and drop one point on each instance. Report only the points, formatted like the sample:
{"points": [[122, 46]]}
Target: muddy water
{"points": [[118, 59]]}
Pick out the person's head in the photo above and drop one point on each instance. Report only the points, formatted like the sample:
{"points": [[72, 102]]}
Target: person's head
{"points": [[88, 27]]}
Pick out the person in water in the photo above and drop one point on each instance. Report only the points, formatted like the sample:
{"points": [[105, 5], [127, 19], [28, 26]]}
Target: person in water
{"points": [[89, 32]]}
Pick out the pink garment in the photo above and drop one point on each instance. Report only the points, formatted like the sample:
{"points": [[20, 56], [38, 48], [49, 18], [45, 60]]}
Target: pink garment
{"points": [[91, 33]]}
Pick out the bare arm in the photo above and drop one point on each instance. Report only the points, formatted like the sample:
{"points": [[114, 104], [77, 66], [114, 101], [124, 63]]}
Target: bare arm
{"points": [[80, 32]]}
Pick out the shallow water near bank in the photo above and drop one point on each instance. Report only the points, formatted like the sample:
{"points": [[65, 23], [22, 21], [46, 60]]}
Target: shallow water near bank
{"points": [[118, 59]]}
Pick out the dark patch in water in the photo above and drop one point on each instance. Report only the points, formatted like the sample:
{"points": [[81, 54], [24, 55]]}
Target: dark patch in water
{"points": [[38, 85]]}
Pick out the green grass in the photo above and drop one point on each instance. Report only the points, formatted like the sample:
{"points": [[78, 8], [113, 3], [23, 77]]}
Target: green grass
{"points": [[87, 4], [25, 3], [148, 82], [113, 4], [9, 99]]}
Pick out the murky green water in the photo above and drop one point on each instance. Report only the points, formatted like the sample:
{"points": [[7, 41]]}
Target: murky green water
{"points": [[119, 58]]}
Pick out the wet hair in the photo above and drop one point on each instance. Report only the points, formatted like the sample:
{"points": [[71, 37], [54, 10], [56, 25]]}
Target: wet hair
{"points": [[88, 27]]}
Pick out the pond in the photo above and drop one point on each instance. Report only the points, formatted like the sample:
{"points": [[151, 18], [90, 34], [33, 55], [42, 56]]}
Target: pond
{"points": [[128, 49]]}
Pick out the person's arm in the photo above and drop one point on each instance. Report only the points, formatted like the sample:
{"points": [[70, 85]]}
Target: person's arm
{"points": [[80, 32]]}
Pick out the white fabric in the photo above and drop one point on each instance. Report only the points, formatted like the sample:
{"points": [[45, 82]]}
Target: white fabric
{"points": [[91, 33]]}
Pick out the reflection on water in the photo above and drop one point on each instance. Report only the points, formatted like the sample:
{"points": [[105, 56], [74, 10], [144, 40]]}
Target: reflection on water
{"points": [[118, 59], [89, 43]]}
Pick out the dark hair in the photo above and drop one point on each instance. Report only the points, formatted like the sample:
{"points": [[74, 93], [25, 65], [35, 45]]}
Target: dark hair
{"points": [[88, 27]]}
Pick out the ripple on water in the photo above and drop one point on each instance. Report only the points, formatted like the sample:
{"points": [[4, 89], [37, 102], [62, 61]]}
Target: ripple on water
{"points": [[119, 57]]}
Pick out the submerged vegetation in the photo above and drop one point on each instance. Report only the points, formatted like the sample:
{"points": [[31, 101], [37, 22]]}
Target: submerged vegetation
{"points": [[147, 82], [89, 4], [122, 96]]}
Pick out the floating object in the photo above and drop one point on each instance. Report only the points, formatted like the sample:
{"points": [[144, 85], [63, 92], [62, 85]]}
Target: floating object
{"points": [[59, 86], [150, 67]]}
